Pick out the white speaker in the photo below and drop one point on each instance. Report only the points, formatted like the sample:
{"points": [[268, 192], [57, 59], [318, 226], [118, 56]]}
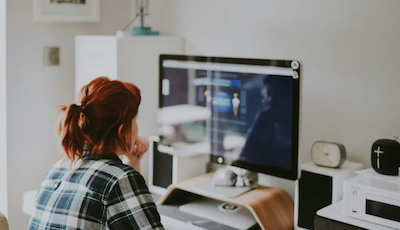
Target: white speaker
{"points": [[319, 187], [168, 166]]}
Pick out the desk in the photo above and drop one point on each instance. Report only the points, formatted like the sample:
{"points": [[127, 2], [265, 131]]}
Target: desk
{"points": [[172, 211]]}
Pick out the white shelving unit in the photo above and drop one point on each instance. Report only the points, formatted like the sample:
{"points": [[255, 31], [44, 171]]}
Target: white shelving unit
{"points": [[132, 59]]}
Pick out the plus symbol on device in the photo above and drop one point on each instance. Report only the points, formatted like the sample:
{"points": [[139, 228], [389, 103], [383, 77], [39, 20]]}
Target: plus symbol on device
{"points": [[378, 151]]}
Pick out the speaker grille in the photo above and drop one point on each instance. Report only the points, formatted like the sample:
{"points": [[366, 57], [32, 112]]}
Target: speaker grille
{"points": [[315, 192], [162, 168]]}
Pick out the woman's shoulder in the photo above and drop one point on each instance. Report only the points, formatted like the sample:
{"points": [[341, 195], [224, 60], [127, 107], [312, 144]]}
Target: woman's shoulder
{"points": [[120, 169], [99, 176], [112, 169]]}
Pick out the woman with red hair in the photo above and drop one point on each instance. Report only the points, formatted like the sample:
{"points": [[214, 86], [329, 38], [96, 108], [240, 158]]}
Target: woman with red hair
{"points": [[90, 188]]}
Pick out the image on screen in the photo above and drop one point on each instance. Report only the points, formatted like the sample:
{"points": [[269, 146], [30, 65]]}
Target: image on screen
{"points": [[240, 112]]}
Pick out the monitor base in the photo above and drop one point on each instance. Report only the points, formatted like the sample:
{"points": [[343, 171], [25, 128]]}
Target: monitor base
{"points": [[222, 190], [272, 208]]}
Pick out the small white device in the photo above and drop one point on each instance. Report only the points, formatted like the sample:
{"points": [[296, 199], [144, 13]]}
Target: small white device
{"points": [[328, 154], [372, 199]]}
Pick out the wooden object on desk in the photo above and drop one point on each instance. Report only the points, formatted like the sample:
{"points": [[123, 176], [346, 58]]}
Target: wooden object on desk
{"points": [[271, 207]]}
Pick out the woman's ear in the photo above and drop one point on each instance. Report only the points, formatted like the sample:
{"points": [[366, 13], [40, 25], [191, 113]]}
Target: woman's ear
{"points": [[124, 138]]}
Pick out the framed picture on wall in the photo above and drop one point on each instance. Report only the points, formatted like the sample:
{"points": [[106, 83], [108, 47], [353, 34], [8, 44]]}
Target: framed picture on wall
{"points": [[66, 10]]}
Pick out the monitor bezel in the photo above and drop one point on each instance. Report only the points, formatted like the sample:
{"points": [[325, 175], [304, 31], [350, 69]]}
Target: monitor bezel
{"points": [[292, 173]]}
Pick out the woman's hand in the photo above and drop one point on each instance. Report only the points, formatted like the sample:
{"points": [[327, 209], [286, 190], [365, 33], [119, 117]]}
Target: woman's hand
{"points": [[134, 157]]}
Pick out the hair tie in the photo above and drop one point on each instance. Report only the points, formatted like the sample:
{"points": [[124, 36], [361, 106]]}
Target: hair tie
{"points": [[81, 108]]}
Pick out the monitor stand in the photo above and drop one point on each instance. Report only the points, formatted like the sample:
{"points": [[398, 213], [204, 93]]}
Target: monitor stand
{"points": [[229, 192], [272, 208]]}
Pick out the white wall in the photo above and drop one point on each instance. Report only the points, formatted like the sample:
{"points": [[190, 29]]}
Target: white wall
{"points": [[349, 52], [35, 91], [3, 121], [348, 49]]}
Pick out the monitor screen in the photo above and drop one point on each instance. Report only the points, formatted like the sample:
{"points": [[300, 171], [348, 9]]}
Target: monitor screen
{"points": [[243, 112]]}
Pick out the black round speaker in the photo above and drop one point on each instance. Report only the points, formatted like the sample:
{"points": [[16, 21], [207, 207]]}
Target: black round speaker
{"points": [[385, 156]]}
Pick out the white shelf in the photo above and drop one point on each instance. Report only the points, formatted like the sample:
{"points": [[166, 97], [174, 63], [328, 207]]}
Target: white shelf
{"points": [[133, 59]]}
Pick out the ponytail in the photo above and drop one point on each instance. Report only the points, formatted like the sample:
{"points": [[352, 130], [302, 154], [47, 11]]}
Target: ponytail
{"points": [[71, 133], [104, 120]]}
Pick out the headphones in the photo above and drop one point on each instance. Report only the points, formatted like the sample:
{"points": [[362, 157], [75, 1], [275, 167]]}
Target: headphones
{"points": [[231, 177]]}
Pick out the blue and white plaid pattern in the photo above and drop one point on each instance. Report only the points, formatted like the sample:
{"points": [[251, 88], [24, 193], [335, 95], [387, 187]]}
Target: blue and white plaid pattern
{"points": [[94, 193]]}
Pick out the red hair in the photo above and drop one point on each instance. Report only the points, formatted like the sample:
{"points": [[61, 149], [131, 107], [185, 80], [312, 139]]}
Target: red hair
{"points": [[103, 119]]}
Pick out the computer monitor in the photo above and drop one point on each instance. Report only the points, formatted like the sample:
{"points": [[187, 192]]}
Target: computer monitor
{"points": [[243, 112]]}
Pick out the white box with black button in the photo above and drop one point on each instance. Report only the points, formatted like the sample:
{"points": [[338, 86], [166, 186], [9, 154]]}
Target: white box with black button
{"points": [[373, 199]]}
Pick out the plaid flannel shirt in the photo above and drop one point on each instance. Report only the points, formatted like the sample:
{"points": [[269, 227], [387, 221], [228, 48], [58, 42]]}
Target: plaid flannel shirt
{"points": [[95, 193]]}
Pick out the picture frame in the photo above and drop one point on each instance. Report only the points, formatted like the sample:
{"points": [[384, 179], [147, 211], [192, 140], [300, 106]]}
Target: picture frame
{"points": [[66, 10]]}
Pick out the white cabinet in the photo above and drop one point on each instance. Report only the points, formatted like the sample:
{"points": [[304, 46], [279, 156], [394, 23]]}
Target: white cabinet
{"points": [[132, 59], [94, 56], [139, 63]]}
